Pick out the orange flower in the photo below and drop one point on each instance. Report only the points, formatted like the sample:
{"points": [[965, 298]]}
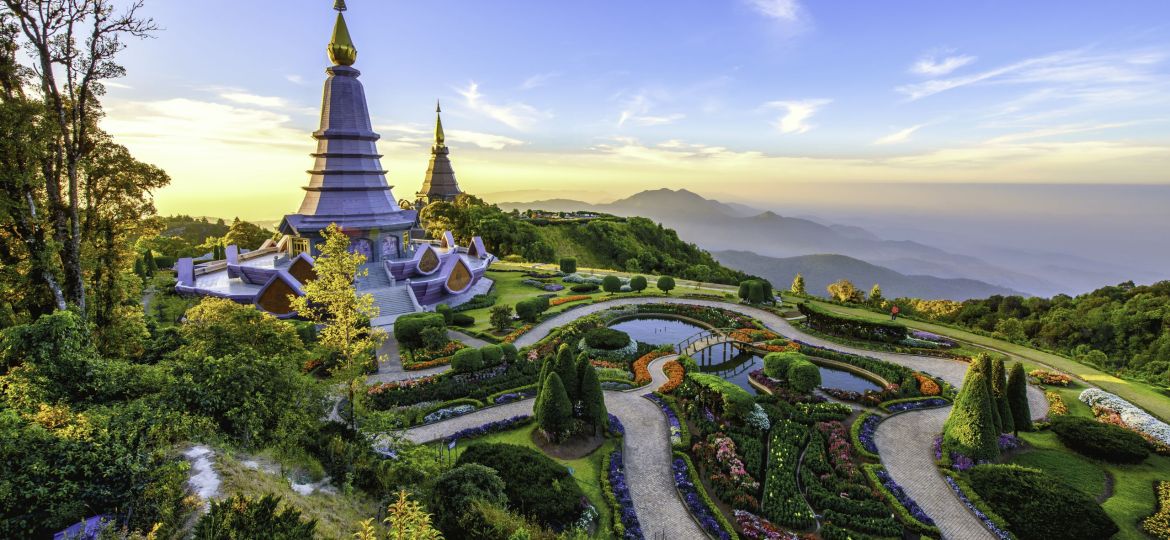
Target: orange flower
{"points": [[927, 386], [674, 374], [567, 299], [517, 333], [642, 366]]}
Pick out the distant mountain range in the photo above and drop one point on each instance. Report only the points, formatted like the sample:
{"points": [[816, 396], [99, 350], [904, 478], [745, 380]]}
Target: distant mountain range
{"points": [[723, 227]]}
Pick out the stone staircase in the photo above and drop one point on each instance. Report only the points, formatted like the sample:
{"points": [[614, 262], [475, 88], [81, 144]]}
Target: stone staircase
{"points": [[392, 302], [375, 279]]}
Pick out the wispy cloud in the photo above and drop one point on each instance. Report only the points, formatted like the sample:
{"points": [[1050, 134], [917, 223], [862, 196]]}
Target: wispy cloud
{"points": [[490, 141], [797, 114], [1054, 131], [784, 10], [246, 98], [538, 80], [936, 65], [519, 116], [295, 79], [899, 136], [671, 151], [636, 111], [116, 84]]}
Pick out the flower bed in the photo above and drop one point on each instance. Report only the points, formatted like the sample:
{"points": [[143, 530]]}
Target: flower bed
{"points": [[415, 366], [674, 376], [508, 397], [778, 345], [862, 433], [679, 435], [617, 491], [713, 316], [1056, 404], [907, 509], [726, 472], [616, 427], [835, 487], [988, 522], [1158, 523], [702, 508], [927, 386], [623, 353], [448, 412], [912, 404], [869, 398], [1050, 378], [517, 333], [752, 335], [490, 427], [932, 337], [782, 502], [758, 528], [550, 287], [1134, 417], [642, 366], [427, 355], [566, 299], [605, 364]]}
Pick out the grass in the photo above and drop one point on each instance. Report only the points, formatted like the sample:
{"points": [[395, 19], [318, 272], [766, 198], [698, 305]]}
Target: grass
{"points": [[1133, 488], [337, 515], [586, 470], [1141, 394]]}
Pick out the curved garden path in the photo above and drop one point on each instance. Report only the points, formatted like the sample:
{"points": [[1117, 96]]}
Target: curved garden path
{"points": [[904, 441], [646, 451]]}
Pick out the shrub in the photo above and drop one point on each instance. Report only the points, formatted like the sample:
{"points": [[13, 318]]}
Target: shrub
{"points": [[1038, 505], [462, 320], [1158, 523], [776, 364], [593, 409], [803, 376], [737, 402], [1050, 378], [451, 385], [1056, 404], [584, 288], [854, 327], [665, 284], [501, 317], [244, 517], [467, 360], [611, 284], [456, 490], [1017, 394], [445, 311], [510, 352], [478, 301], [529, 310], [638, 283], [782, 502], [606, 338], [1099, 440], [568, 265], [534, 484], [970, 429], [555, 412], [408, 329], [493, 355]]}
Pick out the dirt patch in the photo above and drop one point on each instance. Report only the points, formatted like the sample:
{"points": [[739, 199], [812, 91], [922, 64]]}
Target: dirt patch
{"points": [[575, 447], [1108, 492]]}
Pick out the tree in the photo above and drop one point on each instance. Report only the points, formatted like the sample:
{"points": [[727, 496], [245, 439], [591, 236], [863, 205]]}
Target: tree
{"points": [[638, 283], [568, 265], [445, 311], [457, 490], [611, 284], [567, 370], [408, 520], [501, 317], [970, 428], [241, 517], [665, 284], [699, 273], [844, 290], [592, 398], [875, 295], [999, 394], [1017, 394], [245, 235], [219, 327], [633, 265], [151, 264], [529, 309], [555, 416], [798, 285], [1010, 329]]}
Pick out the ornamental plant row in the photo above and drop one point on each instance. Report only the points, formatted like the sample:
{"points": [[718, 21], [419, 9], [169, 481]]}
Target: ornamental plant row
{"points": [[700, 505], [782, 502], [680, 437], [906, 507], [626, 524]]}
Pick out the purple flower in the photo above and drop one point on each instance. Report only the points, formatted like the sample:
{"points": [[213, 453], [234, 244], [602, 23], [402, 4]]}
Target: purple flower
{"points": [[1009, 442], [616, 427], [621, 492], [919, 404], [908, 503], [991, 525], [865, 434], [698, 507], [490, 427]]}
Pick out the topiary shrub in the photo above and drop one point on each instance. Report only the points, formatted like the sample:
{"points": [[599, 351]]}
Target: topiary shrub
{"points": [[1038, 505], [529, 310], [606, 338], [445, 311], [584, 288], [803, 376], [462, 320], [970, 429], [638, 283], [1017, 395], [665, 284], [611, 284], [776, 364], [467, 360], [408, 328], [534, 484], [555, 412], [510, 352], [493, 355], [568, 265], [1106, 442]]}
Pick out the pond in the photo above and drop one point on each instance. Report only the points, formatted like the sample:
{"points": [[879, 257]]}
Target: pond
{"points": [[656, 331], [736, 370]]}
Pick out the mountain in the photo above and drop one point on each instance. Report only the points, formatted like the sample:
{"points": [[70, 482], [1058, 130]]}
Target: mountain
{"points": [[821, 270], [717, 226]]}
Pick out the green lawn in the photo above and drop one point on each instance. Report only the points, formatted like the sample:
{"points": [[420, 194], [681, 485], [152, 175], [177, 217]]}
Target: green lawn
{"points": [[586, 470], [1139, 393], [1133, 489]]}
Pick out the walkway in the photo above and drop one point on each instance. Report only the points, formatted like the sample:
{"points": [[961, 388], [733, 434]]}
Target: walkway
{"points": [[647, 453]]}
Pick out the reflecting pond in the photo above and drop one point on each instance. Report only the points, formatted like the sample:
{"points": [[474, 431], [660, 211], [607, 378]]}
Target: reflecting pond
{"points": [[657, 331], [737, 368]]}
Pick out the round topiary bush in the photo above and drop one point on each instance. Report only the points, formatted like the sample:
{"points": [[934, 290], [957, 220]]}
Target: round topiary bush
{"points": [[584, 288], [493, 355], [534, 484], [467, 360], [1038, 505], [776, 364], [606, 339], [462, 319], [803, 376], [1106, 442]]}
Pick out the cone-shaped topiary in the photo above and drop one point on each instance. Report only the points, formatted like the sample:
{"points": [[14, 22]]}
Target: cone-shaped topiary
{"points": [[982, 364], [970, 429], [555, 416], [581, 365], [567, 369], [592, 399], [1017, 395], [548, 365], [999, 394]]}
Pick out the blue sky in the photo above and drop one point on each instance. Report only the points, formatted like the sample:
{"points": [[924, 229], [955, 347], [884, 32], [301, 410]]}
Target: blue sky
{"points": [[610, 97]]}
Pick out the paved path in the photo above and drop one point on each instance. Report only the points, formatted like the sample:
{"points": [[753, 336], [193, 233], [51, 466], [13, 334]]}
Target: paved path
{"points": [[647, 453], [390, 363]]}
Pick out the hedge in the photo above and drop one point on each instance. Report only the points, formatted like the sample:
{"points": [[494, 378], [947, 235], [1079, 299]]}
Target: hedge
{"points": [[1099, 440], [534, 484], [478, 301], [467, 360], [856, 435], [693, 477], [849, 326], [1037, 505], [737, 401]]}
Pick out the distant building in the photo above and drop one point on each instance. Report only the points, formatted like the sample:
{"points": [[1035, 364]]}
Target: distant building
{"points": [[347, 186]]}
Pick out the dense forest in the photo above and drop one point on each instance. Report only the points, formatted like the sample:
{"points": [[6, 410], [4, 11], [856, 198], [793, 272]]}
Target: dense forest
{"points": [[1123, 329]]}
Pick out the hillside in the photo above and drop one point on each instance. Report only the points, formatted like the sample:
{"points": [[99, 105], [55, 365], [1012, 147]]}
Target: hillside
{"points": [[821, 270]]}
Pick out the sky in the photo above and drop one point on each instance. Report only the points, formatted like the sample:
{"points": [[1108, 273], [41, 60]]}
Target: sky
{"points": [[734, 99]]}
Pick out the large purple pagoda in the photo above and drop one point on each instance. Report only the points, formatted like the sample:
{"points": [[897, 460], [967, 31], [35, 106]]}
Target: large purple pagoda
{"points": [[347, 186]]}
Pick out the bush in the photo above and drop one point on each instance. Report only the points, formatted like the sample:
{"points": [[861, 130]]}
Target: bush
{"points": [[638, 283], [408, 329], [478, 301], [534, 484], [529, 310], [445, 311], [611, 284], [584, 288], [665, 284], [803, 376], [970, 428], [1099, 440], [1038, 505], [510, 352], [606, 338], [554, 412], [493, 355], [467, 360], [501, 317], [462, 320], [455, 492], [854, 327], [243, 517], [451, 385], [737, 402], [776, 364], [568, 265]]}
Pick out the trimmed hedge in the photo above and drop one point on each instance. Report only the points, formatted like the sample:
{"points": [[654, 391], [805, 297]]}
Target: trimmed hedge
{"points": [[606, 338], [534, 484], [855, 327], [782, 502], [478, 301], [462, 320], [855, 433], [1099, 440], [467, 360], [584, 288], [1037, 505], [737, 402]]}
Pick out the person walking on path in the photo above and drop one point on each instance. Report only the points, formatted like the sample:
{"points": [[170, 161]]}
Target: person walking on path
{"points": [[894, 313]]}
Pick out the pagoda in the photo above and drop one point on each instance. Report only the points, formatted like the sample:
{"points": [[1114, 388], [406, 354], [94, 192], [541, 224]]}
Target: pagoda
{"points": [[348, 185], [439, 184]]}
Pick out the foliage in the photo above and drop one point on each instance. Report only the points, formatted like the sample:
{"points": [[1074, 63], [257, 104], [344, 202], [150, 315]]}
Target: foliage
{"points": [[1099, 440], [555, 412], [756, 291], [503, 234], [999, 396], [467, 360], [584, 288], [606, 338], [408, 328], [1050, 378], [456, 490], [445, 387], [593, 411], [529, 310], [674, 376], [638, 283], [1017, 395], [1037, 505], [219, 327], [844, 290], [798, 285], [782, 502], [704, 511], [478, 301], [855, 327], [242, 518], [665, 284], [568, 265], [534, 484], [803, 376], [733, 401], [611, 284], [642, 366], [1158, 524], [970, 428], [500, 317]]}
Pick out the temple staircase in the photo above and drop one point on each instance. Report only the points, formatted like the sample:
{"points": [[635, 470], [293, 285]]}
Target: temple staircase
{"points": [[392, 302]]}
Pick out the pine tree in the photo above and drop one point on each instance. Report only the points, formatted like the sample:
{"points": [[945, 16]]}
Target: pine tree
{"points": [[151, 264], [970, 429], [139, 268], [875, 295], [982, 364], [798, 284], [548, 365], [592, 399], [555, 416], [582, 365], [1017, 395], [567, 369], [999, 394]]}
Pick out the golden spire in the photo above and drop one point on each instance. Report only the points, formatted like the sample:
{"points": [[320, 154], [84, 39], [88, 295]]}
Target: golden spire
{"points": [[439, 137], [341, 49]]}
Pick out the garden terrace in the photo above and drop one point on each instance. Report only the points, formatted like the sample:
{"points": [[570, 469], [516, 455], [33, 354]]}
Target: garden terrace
{"points": [[854, 327]]}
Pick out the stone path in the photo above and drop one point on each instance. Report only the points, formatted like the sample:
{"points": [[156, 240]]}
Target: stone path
{"points": [[646, 451]]}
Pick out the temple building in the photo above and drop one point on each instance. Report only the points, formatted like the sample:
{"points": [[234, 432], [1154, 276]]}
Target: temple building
{"points": [[348, 187]]}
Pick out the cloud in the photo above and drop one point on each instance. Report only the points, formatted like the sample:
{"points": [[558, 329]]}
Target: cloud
{"points": [[538, 80], [899, 136], [671, 152], [519, 116], [115, 84], [246, 98], [490, 141], [935, 66], [783, 10], [636, 111], [797, 114], [1054, 131], [295, 79]]}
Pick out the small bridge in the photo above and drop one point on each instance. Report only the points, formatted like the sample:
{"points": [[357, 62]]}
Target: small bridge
{"points": [[700, 345]]}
